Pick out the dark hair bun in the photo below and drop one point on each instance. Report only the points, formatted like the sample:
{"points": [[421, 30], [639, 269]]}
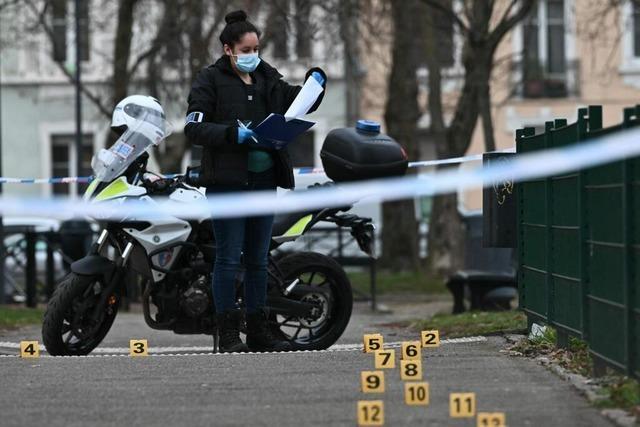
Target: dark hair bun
{"points": [[237, 16], [237, 26]]}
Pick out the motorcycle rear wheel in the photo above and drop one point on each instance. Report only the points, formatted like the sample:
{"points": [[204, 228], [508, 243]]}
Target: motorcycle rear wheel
{"points": [[334, 299], [67, 329]]}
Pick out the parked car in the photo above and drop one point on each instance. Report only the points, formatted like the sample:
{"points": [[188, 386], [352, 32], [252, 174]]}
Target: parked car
{"points": [[15, 243]]}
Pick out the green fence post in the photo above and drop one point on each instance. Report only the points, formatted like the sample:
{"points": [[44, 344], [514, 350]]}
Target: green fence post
{"points": [[627, 274], [520, 135], [559, 123], [584, 233], [548, 127], [595, 117]]}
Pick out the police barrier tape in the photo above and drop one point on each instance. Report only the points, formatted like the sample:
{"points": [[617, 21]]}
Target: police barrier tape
{"points": [[522, 167], [297, 171]]}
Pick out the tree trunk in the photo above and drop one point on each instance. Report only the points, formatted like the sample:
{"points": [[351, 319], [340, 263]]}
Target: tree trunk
{"points": [[484, 104], [348, 14], [198, 54], [446, 228], [400, 228], [445, 244], [122, 49], [121, 52]]}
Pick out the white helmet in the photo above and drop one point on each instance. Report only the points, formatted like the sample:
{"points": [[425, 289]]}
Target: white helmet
{"points": [[133, 110]]}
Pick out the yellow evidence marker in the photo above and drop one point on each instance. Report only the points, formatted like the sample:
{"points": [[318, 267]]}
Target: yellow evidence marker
{"points": [[430, 339], [138, 348], [370, 412], [29, 349], [462, 405], [411, 370], [491, 419], [372, 381], [411, 350], [416, 393], [385, 359], [373, 342]]}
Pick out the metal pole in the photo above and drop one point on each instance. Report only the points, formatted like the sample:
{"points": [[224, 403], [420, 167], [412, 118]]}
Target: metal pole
{"points": [[78, 142], [30, 272], [2, 248], [50, 269], [374, 298]]}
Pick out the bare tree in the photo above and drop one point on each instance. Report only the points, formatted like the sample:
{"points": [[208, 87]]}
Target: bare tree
{"points": [[399, 234], [483, 24]]}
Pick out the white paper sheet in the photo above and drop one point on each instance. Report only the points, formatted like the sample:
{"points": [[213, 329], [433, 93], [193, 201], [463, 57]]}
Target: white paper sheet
{"points": [[305, 99]]}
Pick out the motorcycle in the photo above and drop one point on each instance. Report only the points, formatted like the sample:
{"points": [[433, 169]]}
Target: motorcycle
{"points": [[309, 299]]}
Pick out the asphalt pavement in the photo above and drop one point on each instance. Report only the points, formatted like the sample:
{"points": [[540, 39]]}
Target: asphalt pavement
{"points": [[286, 389]]}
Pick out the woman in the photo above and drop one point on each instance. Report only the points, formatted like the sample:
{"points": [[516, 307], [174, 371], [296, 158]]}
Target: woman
{"points": [[240, 86]]}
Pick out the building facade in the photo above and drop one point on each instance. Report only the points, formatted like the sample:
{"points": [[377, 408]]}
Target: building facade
{"points": [[565, 55], [37, 98]]}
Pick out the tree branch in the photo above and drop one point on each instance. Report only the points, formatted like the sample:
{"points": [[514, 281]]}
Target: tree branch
{"points": [[508, 22], [72, 78], [221, 10], [437, 4], [8, 3]]}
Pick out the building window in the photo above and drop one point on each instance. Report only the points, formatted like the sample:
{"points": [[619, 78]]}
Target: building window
{"points": [[629, 67], [63, 161], [546, 73]]}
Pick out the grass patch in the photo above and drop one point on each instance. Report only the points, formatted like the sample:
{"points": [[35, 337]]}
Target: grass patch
{"points": [[621, 392], [575, 358], [616, 391], [14, 317], [401, 282], [474, 323]]}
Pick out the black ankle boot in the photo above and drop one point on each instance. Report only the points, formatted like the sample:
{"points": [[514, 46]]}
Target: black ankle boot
{"points": [[259, 335], [229, 332]]}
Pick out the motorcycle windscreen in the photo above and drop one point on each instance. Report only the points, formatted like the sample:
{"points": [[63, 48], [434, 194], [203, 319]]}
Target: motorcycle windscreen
{"points": [[149, 130]]}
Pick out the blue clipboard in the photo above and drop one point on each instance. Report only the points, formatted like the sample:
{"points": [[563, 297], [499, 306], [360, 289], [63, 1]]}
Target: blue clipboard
{"points": [[276, 129]]}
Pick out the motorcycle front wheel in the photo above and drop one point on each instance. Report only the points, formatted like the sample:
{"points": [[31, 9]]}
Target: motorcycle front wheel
{"points": [[69, 327], [328, 288]]}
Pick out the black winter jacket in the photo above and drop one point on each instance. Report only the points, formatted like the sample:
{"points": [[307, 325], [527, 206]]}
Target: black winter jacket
{"points": [[221, 96]]}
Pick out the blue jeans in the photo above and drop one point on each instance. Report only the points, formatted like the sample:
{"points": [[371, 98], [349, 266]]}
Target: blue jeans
{"points": [[250, 237]]}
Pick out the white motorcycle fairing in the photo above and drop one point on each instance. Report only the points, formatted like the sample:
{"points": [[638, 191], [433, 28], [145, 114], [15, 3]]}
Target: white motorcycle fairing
{"points": [[164, 231]]}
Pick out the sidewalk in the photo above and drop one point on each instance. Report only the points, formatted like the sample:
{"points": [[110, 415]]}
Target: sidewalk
{"points": [[287, 389]]}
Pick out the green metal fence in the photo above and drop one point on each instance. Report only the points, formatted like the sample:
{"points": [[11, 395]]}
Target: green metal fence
{"points": [[579, 244]]}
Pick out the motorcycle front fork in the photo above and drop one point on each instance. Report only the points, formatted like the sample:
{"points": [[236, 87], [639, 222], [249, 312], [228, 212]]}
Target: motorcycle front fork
{"points": [[116, 276]]}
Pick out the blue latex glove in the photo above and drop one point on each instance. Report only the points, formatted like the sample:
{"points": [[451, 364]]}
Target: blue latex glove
{"points": [[316, 75], [245, 135]]}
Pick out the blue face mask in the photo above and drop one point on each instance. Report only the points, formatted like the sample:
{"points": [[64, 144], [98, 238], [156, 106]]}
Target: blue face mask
{"points": [[247, 63]]}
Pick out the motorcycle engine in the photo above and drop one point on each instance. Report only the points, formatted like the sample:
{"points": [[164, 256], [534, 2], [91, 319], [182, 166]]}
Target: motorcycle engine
{"points": [[196, 300]]}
